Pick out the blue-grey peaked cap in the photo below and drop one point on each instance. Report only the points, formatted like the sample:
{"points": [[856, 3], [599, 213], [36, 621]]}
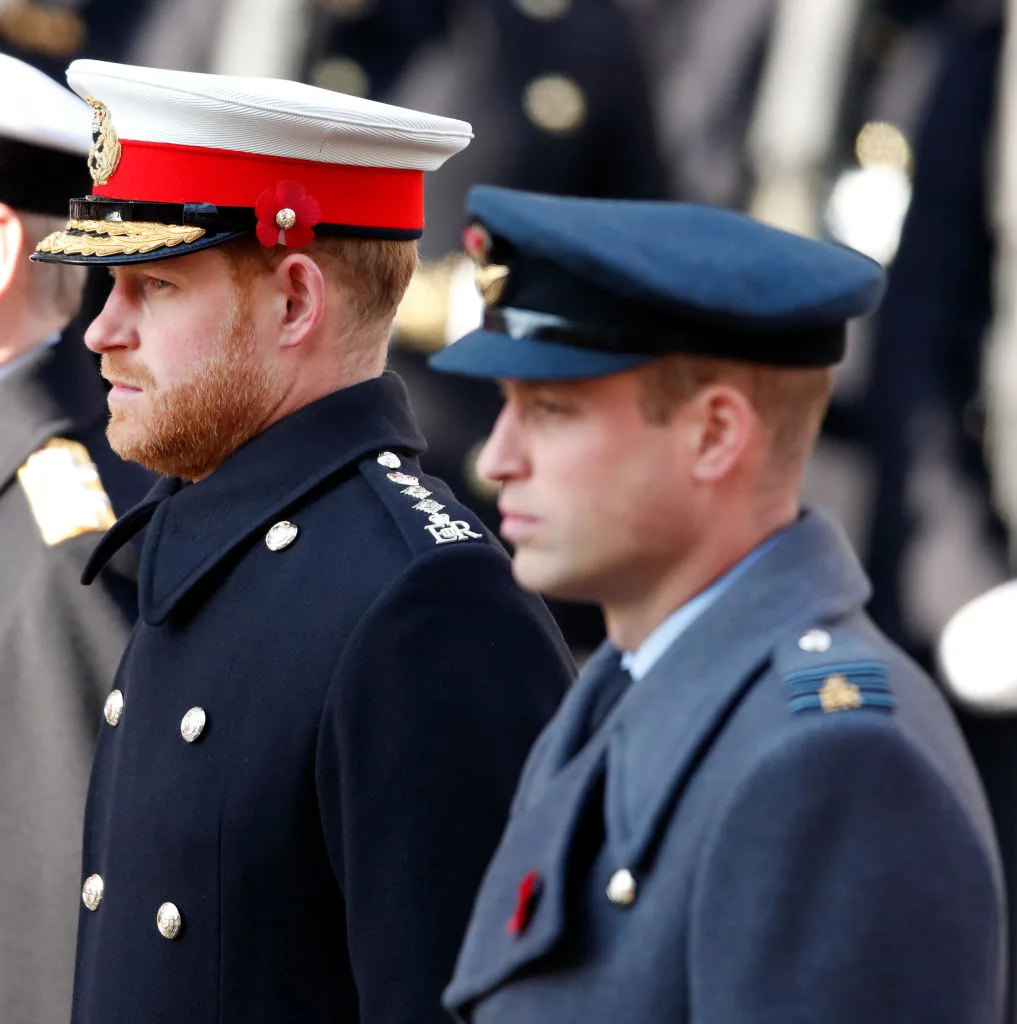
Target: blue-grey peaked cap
{"points": [[598, 286]]}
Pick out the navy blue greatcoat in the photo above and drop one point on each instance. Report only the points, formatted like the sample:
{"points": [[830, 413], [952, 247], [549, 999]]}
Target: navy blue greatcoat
{"points": [[784, 813], [357, 703]]}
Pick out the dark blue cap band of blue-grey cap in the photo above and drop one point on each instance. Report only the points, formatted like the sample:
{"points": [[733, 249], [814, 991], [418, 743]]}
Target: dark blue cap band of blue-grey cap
{"points": [[594, 286], [819, 346]]}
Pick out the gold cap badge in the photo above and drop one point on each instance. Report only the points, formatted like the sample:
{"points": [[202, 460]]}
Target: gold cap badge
{"points": [[104, 156], [491, 278]]}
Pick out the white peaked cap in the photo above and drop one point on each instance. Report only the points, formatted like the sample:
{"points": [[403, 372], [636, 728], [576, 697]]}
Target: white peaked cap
{"points": [[183, 161], [40, 111], [44, 136], [266, 115]]}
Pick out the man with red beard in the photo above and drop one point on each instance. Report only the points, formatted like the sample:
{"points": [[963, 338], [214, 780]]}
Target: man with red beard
{"points": [[315, 731]]}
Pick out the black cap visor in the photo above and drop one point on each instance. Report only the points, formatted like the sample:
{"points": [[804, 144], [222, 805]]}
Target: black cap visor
{"points": [[111, 232]]}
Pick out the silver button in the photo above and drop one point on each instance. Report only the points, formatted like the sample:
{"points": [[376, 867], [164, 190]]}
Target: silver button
{"points": [[114, 707], [168, 921], [389, 460], [282, 535], [815, 641], [621, 890], [91, 891], [192, 725], [555, 103]]}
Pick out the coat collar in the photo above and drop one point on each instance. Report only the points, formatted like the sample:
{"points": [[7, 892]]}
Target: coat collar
{"points": [[656, 731], [192, 527], [652, 741], [53, 390], [810, 576]]}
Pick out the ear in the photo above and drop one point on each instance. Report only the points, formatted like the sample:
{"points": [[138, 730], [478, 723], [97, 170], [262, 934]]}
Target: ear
{"points": [[727, 423], [12, 239], [302, 287]]}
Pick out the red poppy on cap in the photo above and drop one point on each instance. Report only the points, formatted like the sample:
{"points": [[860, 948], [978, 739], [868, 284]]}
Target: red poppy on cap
{"points": [[286, 216]]}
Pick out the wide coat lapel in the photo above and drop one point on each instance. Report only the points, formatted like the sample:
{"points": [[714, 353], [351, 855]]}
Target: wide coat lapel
{"points": [[657, 732], [645, 749]]}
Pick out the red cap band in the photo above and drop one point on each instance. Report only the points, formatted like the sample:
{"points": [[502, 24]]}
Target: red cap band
{"points": [[154, 172]]}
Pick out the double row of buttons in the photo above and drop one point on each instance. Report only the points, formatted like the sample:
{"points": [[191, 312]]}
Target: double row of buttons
{"points": [[192, 725], [168, 918]]}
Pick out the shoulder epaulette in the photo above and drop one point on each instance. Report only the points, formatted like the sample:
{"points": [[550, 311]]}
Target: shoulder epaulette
{"points": [[64, 491], [829, 669], [425, 520]]}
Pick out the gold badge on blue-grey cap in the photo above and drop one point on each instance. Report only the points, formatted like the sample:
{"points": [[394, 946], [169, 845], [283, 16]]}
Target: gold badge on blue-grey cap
{"points": [[491, 278]]}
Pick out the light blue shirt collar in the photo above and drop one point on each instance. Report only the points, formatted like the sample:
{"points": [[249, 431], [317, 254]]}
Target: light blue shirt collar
{"points": [[652, 649]]}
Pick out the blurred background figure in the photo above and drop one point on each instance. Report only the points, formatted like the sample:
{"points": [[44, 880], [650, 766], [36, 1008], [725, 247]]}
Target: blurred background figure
{"points": [[60, 486]]}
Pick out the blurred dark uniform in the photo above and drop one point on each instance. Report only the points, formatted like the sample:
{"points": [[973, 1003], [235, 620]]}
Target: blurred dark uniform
{"points": [[922, 407], [50, 34], [561, 85], [922, 415], [60, 486]]}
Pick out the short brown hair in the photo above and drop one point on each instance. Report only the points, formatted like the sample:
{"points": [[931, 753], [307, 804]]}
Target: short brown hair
{"points": [[372, 273], [790, 401]]}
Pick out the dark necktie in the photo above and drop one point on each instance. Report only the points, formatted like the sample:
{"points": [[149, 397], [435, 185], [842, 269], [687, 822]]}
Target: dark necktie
{"points": [[614, 683]]}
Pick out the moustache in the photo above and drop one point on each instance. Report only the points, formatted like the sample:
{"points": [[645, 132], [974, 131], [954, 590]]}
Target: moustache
{"points": [[134, 377]]}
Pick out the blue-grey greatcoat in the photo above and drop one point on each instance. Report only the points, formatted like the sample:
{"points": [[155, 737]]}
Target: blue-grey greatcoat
{"points": [[369, 679], [805, 832]]}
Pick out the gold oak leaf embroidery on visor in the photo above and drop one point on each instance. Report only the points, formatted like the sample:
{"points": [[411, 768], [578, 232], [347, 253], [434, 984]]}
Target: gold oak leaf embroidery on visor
{"points": [[111, 238]]}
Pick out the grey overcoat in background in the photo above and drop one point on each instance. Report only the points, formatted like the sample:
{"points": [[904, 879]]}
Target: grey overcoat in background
{"points": [[60, 643]]}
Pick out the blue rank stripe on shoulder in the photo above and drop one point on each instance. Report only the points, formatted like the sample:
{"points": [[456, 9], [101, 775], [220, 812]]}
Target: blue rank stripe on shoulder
{"points": [[846, 686]]}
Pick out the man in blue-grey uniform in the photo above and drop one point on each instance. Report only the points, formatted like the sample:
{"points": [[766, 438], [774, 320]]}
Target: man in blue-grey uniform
{"points": [[751, 806], [314, 734]]}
